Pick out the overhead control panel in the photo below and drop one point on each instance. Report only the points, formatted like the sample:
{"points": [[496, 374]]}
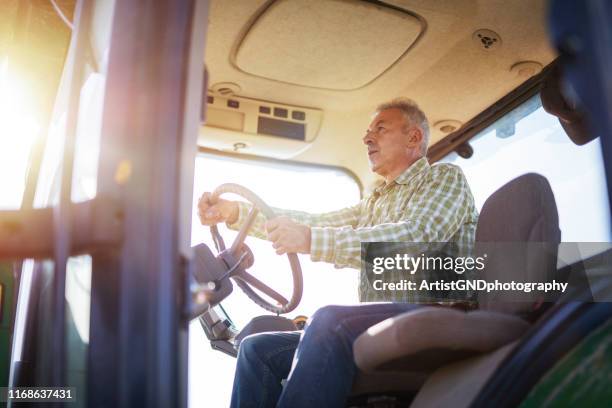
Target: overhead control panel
{"points": [[263, 128]]}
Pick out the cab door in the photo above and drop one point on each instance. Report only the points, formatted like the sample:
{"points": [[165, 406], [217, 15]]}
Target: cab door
{"points": [[101, 304]]}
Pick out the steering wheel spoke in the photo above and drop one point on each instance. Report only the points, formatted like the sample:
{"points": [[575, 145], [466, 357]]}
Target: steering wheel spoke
{"points": [[262, 287], [244, 230]]}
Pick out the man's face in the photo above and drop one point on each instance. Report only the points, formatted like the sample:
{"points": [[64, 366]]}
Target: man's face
{"points": [[389, 141]]}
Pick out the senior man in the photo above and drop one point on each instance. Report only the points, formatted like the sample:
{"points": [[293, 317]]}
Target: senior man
{"points": [[417, 203]]}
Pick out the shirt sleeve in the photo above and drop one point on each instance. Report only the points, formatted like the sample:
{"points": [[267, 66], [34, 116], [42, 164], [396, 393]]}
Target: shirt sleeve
{"points": [[345, 217], [434, 213]]}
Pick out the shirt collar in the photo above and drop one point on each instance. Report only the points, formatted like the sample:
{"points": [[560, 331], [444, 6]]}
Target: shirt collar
{"points": [[416, 168]]}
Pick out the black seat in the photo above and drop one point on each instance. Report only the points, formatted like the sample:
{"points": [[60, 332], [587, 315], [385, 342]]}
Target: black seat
{"points": [[522, 211]]}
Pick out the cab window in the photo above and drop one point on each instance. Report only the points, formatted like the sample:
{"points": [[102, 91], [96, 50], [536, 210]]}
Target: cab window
{"points": [[282, 185], [530, 140]]}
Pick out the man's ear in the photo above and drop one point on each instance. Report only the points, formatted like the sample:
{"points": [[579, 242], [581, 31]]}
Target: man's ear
{"points": [[415, 137]]}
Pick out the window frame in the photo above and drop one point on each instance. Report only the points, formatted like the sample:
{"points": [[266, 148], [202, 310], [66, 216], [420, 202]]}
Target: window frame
{"points": [[283, 162], [486, 118]]}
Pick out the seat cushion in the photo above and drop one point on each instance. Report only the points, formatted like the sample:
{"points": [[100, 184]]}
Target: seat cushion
{"points": [[429, 337]]}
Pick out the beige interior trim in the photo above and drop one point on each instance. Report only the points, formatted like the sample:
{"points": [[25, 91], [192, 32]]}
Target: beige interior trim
{"points": [[456, 385], [446, 72], [398, 341]]}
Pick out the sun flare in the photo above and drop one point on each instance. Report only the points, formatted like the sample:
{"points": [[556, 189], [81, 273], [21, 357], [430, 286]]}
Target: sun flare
{"points": [[19, 127]]}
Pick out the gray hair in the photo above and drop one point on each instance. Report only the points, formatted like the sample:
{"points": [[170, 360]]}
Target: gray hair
{"points": [[412, 114]]}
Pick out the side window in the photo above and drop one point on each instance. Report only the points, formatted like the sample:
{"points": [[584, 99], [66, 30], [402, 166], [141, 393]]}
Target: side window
{"points": [[530, 140]]}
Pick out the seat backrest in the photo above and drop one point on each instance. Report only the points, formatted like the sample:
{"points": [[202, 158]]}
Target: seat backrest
{"points": [[518, 228]]}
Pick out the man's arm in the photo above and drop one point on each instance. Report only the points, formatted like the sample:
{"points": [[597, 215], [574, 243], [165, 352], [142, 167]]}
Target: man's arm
{"points": [[344, 217], [234, 213], [434, 214]]}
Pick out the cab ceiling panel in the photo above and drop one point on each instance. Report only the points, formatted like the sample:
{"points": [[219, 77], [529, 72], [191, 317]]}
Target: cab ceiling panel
{"points": [[330, 44]]}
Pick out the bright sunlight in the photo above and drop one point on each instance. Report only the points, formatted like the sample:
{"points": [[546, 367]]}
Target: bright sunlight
{"points": [[19, 127], [313, 189]]}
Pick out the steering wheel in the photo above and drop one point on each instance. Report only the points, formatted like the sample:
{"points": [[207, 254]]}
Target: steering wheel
{"points": [[238, 257]]}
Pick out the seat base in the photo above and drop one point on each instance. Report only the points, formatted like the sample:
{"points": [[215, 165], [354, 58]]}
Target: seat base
{"points": [[366, 383], [456, 385]]}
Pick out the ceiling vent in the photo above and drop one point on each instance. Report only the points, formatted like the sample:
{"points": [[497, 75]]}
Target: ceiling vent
{"points": [[225, 88]]}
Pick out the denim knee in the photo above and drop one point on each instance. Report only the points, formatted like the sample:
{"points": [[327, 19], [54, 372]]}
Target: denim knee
{"points": [[252, 346], [329, 316], [323, 325]]}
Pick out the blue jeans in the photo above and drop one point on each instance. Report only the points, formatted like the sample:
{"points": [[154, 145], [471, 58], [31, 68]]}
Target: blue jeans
{"points": [[317, 363]]}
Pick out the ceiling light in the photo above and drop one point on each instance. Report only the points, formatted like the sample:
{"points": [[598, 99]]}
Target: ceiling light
{"points": [[526, 69], [447, 126]]}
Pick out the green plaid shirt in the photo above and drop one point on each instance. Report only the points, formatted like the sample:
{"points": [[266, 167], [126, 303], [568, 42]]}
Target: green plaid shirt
{"points": [[424, 204]]}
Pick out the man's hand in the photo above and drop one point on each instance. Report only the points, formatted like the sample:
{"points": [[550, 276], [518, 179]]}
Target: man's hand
{"points": [[288, 236], [220, 210]]}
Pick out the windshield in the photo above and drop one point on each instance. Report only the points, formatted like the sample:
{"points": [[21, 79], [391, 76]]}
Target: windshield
{"points": [[291, 186]]}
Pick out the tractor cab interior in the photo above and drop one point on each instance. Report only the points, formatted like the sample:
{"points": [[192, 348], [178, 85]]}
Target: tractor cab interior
{"points": [[117, 282]]}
